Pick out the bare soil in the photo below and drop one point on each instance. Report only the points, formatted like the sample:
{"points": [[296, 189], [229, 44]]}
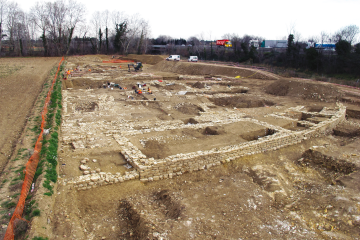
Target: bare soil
{"points": [[198, 68], [305, 89], [21, 81], [288, 193], [305, 191], [24, 83]]}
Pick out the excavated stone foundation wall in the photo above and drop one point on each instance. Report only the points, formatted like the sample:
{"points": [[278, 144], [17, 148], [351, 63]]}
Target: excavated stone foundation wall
{"points": [[150, 169], [181, 163]]}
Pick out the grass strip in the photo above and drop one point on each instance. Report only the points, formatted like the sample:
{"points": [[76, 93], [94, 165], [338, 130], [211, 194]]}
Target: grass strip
{"points": [[50, 144]]}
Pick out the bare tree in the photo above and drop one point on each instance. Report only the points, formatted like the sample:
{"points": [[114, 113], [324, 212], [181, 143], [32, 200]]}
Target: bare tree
{"points": [[313, 39], [3, 5], [57, 14], [324, 37], [22, 32], [142, 40], [106, 21], [194, 41], [347, 33], [161, 39], [227, 36], [134, 29], [13, 11], [117, 17], [75, 13], [39, 16], [96, 24]]}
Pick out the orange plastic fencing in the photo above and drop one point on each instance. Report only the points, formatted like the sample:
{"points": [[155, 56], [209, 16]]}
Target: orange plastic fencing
{"points": [[30, 168], [118, 61]]}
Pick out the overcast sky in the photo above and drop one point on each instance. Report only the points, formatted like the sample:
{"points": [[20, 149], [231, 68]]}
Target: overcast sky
{"points": [[270, 19]]}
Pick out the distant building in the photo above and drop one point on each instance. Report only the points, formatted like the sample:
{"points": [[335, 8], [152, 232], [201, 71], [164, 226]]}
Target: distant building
{"points": [[274, 44], [322, 46], [254, 43]]}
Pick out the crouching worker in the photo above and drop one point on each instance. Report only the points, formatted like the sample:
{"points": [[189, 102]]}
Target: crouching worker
{"points": [[149, 91]]}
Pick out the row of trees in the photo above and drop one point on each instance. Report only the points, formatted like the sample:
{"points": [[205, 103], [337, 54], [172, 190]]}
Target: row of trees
{"points": [[346, 58], [59, 27], [207, 50]]}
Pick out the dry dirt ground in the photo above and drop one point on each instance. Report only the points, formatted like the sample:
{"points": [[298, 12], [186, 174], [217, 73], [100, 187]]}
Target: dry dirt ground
{"points": [[22, 80], [305, 191]]}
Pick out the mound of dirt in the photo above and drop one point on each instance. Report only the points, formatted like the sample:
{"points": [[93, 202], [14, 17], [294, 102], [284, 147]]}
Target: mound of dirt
{"points": [[146, 59], [172, 208], [209, 69], [155, 149], [137, 226], [306, 90], [199, 85], [86, 107], [213, 130], [329, 163], [240, 102], [190, 109], [346, 130], [172, 87]]}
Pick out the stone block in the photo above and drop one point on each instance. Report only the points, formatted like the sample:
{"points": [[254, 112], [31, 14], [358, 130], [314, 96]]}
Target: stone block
{"points": [[95, 178]]}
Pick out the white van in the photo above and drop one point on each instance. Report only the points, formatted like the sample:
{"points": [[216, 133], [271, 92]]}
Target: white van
{"points": [[193, 59], [173, 58]]}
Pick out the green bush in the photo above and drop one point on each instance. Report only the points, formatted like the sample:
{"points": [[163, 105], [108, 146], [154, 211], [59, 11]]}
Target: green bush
{"points": [[39, 238], [36, 212]]}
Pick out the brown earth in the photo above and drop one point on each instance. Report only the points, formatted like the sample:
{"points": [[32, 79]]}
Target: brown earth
{"points": [[274, 195], [192, 68], [24, 83], [21, 81], [145, 59], [305, 191], [305, 89]]}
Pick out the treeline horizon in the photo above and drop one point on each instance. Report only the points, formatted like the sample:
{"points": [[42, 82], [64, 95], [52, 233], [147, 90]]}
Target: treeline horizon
{"points": [[59, 28]]}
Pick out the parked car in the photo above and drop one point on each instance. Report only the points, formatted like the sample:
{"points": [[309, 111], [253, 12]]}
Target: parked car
{"points": [[173, 58], [193, 59]]}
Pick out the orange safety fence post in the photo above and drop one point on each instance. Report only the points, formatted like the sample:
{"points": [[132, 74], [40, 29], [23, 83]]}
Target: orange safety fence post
{"points": [[31, 166]]}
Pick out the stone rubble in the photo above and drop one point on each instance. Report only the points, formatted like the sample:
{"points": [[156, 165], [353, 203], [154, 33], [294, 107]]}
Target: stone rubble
{"points": [[100, 133]]}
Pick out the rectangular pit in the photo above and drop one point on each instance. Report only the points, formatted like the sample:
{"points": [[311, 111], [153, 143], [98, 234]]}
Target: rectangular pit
{"points": [[166, 143]]}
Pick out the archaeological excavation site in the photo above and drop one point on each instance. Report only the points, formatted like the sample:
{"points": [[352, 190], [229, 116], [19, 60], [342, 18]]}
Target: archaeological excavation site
{"points": [[194, 150]]}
